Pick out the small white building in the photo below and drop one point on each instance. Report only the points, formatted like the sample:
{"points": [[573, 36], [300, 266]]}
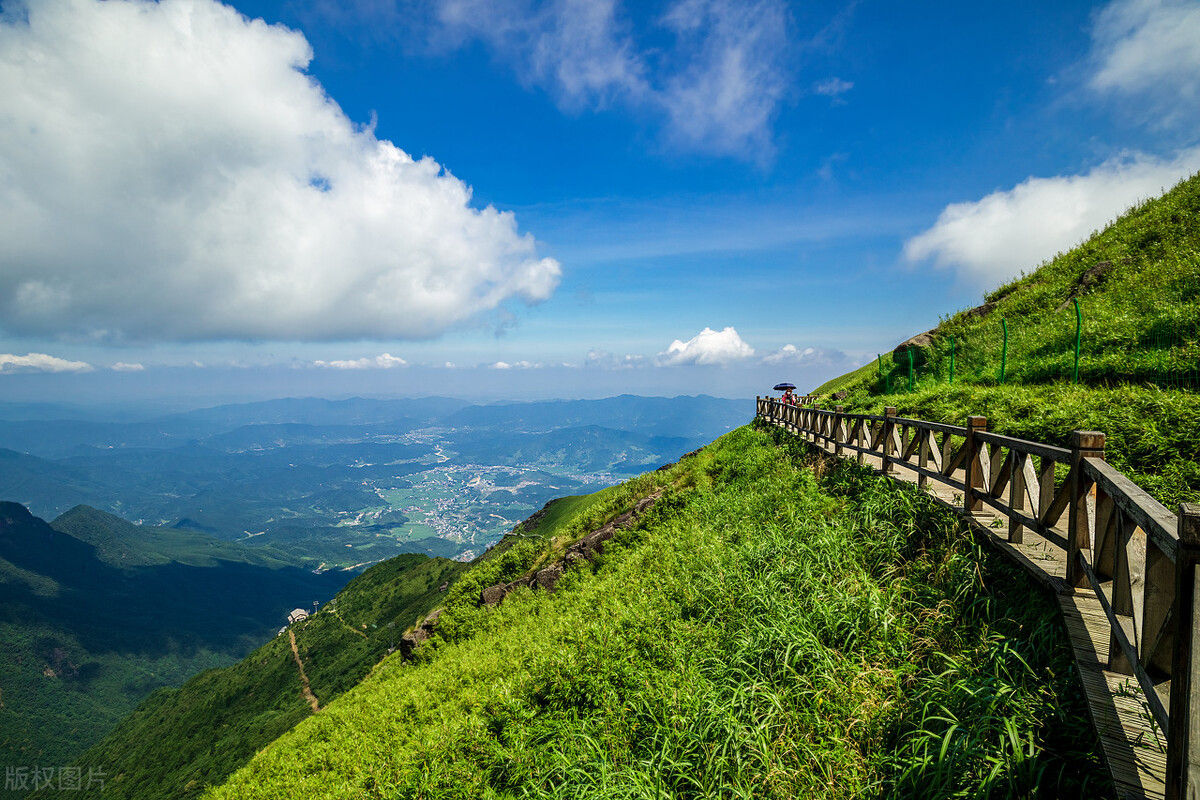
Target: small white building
{"points": [[297, 615]]}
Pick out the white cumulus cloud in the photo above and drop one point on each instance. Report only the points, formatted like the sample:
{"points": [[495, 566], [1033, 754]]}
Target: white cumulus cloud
{"points": [[993, 239], [169, 171], [40, 362], [706, 348], [385, 361], [1149, 48]]}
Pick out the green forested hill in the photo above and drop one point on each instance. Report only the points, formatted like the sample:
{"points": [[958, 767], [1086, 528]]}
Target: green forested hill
{"points": [[180, 741], [120, 543], [97, 613]]}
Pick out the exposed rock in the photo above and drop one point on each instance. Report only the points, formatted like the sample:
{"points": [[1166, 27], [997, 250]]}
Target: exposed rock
{"points": [[445, 585], [1091, 278], [410, 641], [920, 340], [493, 594], [842, 395], [646, 502], [586, 549], [981, 311], [548, 578]]}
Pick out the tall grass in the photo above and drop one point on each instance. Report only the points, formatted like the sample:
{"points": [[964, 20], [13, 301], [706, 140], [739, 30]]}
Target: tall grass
{"points": [[777, 627]]}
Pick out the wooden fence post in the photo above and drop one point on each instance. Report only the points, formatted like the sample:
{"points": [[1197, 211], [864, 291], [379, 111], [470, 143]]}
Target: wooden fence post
{"points": [[837, 429], [1183, 733], [922, 456], [972, 467], [863, 433], [889, 429], [814, 427], [1084, 444]]}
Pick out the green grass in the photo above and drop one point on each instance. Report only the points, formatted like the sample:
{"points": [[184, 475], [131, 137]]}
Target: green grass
{"points": [[1139, 371], [777, 626]]}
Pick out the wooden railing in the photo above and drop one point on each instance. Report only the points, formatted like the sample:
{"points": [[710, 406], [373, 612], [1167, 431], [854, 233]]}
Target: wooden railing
{"points": [[1138, 557]]}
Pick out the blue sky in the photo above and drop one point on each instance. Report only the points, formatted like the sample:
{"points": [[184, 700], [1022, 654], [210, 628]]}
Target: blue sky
{"points": [[517, 199]]}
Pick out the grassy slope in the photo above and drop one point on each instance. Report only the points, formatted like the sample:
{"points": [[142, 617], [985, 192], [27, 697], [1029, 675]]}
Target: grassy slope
{"points": [[1141, 337], [179, 741], [773, 628]]}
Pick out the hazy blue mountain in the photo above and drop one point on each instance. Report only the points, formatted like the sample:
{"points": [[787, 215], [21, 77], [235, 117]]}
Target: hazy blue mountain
{"points": [[315, 411], [664, 416]]}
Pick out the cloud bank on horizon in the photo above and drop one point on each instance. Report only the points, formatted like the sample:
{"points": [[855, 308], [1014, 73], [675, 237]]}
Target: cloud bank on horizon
{"points": [[40, 362], [168, 171]]}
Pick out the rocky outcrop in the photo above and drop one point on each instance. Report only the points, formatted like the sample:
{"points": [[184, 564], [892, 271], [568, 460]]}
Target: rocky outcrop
{"points": [[979, 312], [585, 550], [410, 641], [919, 341], [1091, 278]]}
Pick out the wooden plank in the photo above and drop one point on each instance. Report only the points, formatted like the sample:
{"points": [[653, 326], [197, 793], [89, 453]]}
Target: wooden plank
{"points": [[1133, 749], [1060, 454]]}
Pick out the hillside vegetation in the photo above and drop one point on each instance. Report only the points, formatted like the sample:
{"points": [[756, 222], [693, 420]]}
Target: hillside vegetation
{"points": [[1138, 287], [96, 613], [180, 741], [775, 626]]}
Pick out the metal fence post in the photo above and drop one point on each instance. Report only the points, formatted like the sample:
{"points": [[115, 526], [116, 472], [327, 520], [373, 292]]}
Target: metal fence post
{"points": [[1084, 444], [1078, 336], [1183, 733], [1004, 352], [951, 360], [972, 468]]}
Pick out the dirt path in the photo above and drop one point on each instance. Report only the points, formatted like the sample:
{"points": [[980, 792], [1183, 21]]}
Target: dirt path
{"points": [[307, 690], [348, 626]]}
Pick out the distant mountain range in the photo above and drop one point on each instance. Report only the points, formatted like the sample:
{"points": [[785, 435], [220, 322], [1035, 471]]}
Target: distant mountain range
{"points": [[241, 470]]}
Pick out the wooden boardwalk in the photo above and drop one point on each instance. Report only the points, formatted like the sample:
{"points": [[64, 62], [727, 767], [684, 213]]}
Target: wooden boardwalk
{"points": [[1134, 746]]}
